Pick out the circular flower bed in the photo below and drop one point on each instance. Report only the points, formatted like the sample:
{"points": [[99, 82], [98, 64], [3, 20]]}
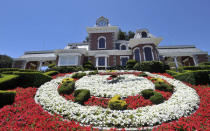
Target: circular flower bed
{"points": [[127, 85], [178, 105]]}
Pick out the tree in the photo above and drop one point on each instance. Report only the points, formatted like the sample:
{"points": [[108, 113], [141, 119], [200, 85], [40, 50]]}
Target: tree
{"points": [[130, 34], [5, 61], [121, 35]]}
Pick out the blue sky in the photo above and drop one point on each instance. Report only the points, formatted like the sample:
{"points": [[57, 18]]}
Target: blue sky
{"points": [[32, 25]]}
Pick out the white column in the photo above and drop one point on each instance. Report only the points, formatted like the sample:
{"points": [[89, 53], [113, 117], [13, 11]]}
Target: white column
{"points": [[40, 65], [175, 61], [195, 60], [24, 66]]}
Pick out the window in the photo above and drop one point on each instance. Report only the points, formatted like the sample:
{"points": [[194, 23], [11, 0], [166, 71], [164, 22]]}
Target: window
{"points": [[148, 54], [101, 61], [137, 55], [143, 34], [124, 60], [68, 60], [102, 42], [123, 47], [117, 46]]}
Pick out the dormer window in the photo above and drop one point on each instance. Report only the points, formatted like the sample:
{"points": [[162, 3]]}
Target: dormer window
{"points": [[102, 42], [102, 21], [144, 34]]}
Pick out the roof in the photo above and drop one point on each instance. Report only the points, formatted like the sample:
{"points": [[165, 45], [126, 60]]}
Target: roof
{"points": [[38, 57], [180, 50]]}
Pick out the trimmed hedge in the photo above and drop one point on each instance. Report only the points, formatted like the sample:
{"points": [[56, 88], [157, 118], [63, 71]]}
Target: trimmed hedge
{"points": [[130, 64], [81, 95], [8, 82], [157, 98], [88, 65], [199, 77], [67, 69], [147, 93], [35, 79], [143, 75], [151, 66], [205, 63], [51, 73], [16, 69], [164, 86], [115, 103], [7, 97], [171, 72], [78, 75], [206, 67], [67, 88], [93, 72]]}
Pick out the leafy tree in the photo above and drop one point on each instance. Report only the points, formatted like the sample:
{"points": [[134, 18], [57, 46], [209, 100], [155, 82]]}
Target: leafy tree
{"points": [[121, 35], [5, 61], [130, 34]]}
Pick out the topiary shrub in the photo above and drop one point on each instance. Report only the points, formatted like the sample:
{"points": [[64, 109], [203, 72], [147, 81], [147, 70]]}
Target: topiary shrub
{"points": [[51, 73], [32, 79], [137, 66], [0, 76], [93, 72], [7, 97], [147, 93], [130, 64], [157, 98], [88, 65], [78, 75], [163, 86], [116, 103], [143, 75], [9, 81], [81, 95], [66, 88], [152, 66]]}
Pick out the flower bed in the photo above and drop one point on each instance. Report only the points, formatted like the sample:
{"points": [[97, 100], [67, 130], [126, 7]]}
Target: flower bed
{"points": [[177, 106], [25, 114]]}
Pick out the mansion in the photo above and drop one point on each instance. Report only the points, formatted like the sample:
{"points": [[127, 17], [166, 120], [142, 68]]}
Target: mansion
{"points": [[104, 49]]}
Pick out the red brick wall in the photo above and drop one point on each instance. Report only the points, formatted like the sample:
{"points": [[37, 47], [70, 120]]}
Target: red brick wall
{"points": [[154, 50], [94, 41], [202, 58]]}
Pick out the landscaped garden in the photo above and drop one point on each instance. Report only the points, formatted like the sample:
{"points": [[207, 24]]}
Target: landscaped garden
{"points": [[104, 99]]}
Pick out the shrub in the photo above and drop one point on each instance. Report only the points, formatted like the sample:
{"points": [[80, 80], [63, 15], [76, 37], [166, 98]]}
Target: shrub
{"points": [[152, 66], [7, 97], [35, 79], [143, 75], [51, 73], [52, 65], [204, 63], [199, 77], [66, 88], [130, 64], [163, 86], [10, 70], [203, 67], [117, 104], [137, 66], [81, 95], [147, 93], [171, 72], [8, 81], [0, 76], [157, 98], [88, 65], [67, 80], [78, 75], [67, 69], [93, 72]]}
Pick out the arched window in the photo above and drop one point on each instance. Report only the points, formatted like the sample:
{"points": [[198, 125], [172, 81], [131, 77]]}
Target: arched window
{"points": [[137, 54], [143, 34], [148, 55], [123, 47], [102, 42]]}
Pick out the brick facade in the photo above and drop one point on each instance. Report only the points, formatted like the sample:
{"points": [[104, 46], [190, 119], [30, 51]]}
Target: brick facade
{"points": [[94, 41]]}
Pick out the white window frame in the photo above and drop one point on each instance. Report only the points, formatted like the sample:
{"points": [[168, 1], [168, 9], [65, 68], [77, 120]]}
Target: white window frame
{"points": [[123, 57], [105, 56], [105, 42], [76, 61], [139, 53], [125, 46], [151, 51]]}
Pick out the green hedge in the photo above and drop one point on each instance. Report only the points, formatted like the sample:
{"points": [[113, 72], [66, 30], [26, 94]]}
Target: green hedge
{"points": [[67, 88], [172, 73], [81, 95], [147, 93], [157, 98], [67, 69], [151, 66], [78, 75], [7, 97], [16, 69], [88, 65], [205, 63], [51, 73], [8, 82], [206, 67], [130, 64], [199, 77]]}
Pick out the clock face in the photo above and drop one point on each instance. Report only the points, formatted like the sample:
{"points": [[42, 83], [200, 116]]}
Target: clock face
{"points": [[102, 23]]}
